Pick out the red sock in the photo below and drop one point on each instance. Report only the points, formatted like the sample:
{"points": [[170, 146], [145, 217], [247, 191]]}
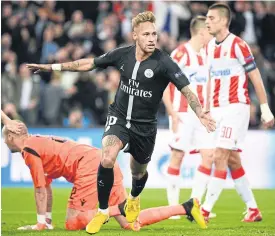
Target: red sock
{"points": [[157, 214], [173, 171], [237, 173]]}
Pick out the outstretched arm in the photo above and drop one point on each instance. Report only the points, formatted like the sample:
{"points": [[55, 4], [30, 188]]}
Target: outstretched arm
{"points": [[85, 64], [4, 118]]}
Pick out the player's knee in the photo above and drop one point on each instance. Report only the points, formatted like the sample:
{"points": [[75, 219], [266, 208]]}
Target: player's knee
{"points": [[208, 160], [177, 154], [72, 224], [234, 163], [108, 162], [221, 157]]}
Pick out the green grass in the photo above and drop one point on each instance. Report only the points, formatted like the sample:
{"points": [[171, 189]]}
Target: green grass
{"points": [[18, 208]]}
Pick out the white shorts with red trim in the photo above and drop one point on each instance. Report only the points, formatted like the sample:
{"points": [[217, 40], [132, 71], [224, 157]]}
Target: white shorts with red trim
{"points": [[191, 133], [232, 125]]}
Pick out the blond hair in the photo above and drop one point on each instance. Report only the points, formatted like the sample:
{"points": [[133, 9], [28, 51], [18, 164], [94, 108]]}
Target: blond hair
{"points": [[146, 16], [196, 23]]}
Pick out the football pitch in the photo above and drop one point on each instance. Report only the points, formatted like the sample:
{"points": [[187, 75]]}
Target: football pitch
{"points": [[18, 209]]}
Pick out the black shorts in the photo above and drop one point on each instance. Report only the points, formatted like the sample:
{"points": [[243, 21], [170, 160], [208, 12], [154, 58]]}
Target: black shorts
{"points": [[138, 139]]}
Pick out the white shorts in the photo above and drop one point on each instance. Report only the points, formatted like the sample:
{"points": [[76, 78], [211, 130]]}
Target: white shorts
{"points": [[232, 124], [191, 133]]}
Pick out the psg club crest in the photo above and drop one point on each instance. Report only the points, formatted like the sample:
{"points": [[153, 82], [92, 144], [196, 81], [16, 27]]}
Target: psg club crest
{"points": [[148, 73]]}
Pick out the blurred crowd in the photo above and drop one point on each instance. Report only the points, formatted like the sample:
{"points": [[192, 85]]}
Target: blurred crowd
{"points": [[58, 31]]}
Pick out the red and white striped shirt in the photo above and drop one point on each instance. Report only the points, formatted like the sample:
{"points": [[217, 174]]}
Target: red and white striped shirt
{"points": [[229, 80], [194, 67]]}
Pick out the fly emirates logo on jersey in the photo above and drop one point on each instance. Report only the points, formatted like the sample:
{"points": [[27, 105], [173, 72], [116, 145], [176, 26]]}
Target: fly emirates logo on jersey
{"points": [[132, 89]]}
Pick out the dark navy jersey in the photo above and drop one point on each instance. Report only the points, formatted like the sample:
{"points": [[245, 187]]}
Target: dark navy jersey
{"points": [[142, 83]]}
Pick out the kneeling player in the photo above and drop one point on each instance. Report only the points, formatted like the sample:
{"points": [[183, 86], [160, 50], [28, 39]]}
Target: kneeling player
{"points": [[53, 157]]}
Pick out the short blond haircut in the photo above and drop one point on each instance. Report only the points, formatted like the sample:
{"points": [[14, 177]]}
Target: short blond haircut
{"points": [[146, 16], [197, 23]]}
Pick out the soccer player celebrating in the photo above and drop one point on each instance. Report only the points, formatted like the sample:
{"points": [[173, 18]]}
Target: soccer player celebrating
{"points": [[231, 63], [131, 123], [186, 127], [52, 157]]}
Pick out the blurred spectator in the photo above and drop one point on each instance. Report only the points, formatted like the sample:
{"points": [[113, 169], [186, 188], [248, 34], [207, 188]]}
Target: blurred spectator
{"points": [[76, 27], [268, 32], [101, 99], [84, 95], [59, 35], [8, 84], [112, 84], [52, 97], [41, 25], [27, 95], [238, 20], [49, 47], [75, 118], [249, 34]]}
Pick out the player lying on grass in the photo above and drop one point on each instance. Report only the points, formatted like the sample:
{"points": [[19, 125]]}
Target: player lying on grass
{"points": [[52, 157]]}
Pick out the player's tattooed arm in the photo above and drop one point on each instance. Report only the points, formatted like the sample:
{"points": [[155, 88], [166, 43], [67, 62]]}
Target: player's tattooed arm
{"points": [[193, 100], [41, 200], [85, 64], [49, 198]]}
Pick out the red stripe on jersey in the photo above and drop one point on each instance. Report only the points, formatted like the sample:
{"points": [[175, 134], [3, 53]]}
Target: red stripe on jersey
{"points": [[233, 89], [185, 51], [200, 95], [178, 55], [172, 88], [245, 87], [233, 51], [244, 49], [216, 93], [200, 61], [217, 52], [183, 104]]}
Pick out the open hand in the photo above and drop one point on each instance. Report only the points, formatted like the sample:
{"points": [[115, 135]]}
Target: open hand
{"points": [[15, 127], [39, 67], [208, 121]]}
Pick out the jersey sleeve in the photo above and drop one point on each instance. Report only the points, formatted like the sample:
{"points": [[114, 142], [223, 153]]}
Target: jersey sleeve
{"points": [[36, 168], [174, 73], [244, 55], [108, 59]]}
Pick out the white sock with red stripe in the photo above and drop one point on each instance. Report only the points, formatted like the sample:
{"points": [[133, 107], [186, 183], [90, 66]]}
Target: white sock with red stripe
{"points": [[214, 189], [173, 190], [201, 181], [243, 188]]}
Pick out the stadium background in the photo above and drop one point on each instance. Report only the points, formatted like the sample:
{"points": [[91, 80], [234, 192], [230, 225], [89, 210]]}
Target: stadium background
{"points": [[74, 105]]}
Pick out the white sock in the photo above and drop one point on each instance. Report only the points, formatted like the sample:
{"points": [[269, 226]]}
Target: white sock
{"points": [[201, 181], [104, 211], [173, 190], [243, 188], [132, 197], [214, 189]]}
